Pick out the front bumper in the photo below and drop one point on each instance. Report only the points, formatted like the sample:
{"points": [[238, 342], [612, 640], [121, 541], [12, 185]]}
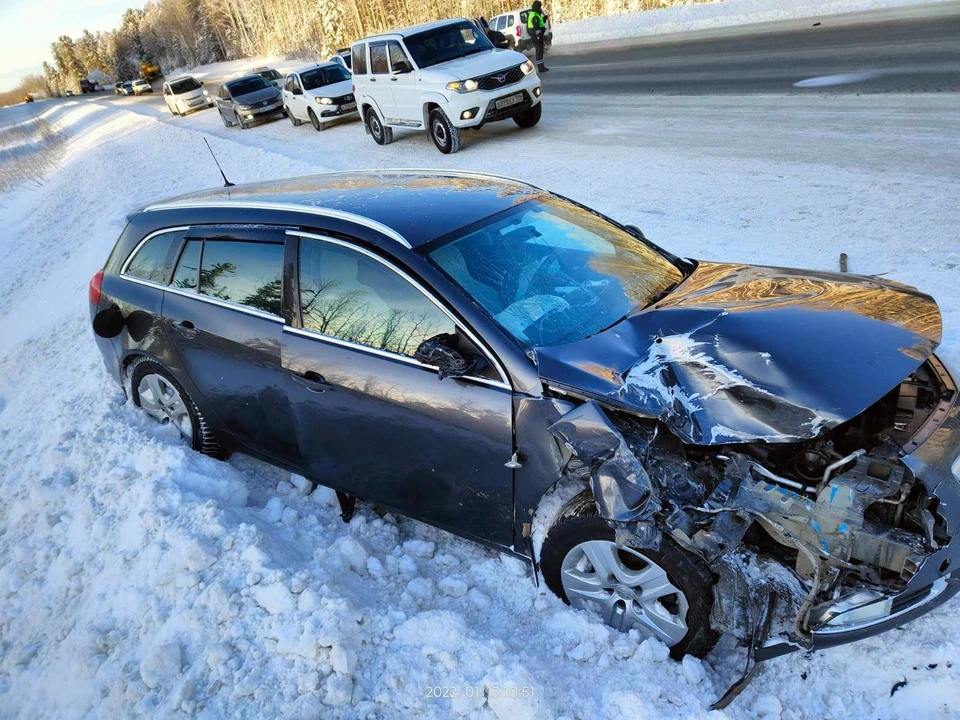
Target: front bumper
{"points": [[262, 113], [332, 112], [484, 103], [936, 463]]}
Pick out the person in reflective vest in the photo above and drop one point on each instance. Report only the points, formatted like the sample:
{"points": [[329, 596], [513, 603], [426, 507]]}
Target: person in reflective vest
{"points": [[537, 27]]}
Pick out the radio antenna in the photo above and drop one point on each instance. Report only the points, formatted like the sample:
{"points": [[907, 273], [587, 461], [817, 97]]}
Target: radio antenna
{"points": [[226, 183]]}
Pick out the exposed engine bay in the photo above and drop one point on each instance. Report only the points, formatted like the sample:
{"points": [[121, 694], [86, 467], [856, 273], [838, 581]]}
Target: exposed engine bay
{"points": [[834, 527]]}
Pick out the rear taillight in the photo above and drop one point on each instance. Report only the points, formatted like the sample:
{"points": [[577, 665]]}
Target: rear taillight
{"points": [[96, 285], [518, 31]]}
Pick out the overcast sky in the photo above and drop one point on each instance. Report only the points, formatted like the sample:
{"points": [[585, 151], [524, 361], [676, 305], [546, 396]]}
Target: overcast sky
{"points": [[29, 26]]}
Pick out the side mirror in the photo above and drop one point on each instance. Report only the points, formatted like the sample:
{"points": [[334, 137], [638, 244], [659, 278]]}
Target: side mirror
{"points": [[436, 351], [636, 231], [500, 40], [401, 68], [200, 81], [297, 91]]}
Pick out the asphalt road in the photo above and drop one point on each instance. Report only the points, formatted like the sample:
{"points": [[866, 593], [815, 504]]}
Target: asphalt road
{"points": [[875, 57]]}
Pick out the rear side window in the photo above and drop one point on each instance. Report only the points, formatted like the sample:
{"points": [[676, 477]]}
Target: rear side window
{"points": [[359, 55], [154, 259], [247, 273], [378, 59], [348, 295], [188, 269]]}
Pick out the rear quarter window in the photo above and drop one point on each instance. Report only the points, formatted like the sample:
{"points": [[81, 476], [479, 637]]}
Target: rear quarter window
{"points": [[358, 54], [246, 273], [154, 259]]}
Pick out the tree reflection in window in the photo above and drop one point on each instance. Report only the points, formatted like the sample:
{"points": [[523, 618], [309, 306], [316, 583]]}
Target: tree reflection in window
{"points": [[248, 273], [348, 295]]}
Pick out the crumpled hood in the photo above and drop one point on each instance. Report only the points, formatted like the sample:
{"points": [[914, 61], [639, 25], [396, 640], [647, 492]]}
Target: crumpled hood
{"points": [[741, 353]]}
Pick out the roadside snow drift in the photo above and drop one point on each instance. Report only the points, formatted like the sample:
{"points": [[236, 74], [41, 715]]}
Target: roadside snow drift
{"points": [[138, 578]]}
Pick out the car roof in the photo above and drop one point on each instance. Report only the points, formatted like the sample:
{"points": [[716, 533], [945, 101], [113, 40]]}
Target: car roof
{"points": [[182, 77], [417, 205], [311, 67], [412, 30]]}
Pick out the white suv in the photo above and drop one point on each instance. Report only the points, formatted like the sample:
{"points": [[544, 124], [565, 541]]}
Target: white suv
{"points": [[441, 77], [513, 25]]}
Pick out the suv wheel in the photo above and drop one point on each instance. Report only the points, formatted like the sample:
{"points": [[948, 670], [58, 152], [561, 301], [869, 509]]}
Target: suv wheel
{"points": [[315, 121], [296, 123], [445, 135], [382, 135], [160, 396], [529, 118], [665, 593]]}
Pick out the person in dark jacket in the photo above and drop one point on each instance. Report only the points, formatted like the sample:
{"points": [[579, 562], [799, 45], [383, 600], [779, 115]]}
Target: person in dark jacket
{"points": [[537, 27]]}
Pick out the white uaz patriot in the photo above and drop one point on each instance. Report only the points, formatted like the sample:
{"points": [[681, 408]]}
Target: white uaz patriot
{"points": [[441, 77]]}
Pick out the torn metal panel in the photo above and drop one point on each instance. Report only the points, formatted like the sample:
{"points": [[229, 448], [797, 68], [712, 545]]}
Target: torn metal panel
{"points": [[741, 354], [618, 480]]}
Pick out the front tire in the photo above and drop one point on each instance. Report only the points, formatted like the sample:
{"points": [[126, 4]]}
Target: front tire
{"points": [[529, 118], [226, 123], [445, 135], [666, 593], [382, 135], [159, 395], [315, 121]]}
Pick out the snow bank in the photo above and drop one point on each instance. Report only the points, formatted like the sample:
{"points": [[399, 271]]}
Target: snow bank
{"points": [[706, 16], [140, 578]]}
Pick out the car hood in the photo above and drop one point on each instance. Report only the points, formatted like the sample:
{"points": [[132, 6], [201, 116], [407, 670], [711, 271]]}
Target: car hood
{"points": [[189, 94], [740, 353], [483, 63], [339, 89], [268, 93]]}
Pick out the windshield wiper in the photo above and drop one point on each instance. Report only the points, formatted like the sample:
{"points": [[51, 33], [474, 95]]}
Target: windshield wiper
{"points": [[661, 295]]}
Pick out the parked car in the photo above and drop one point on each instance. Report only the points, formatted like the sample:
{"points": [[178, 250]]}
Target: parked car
{"points": [[186, 94], [513, 25], [441, 77], [247, 100], [123, 88], [28, 98], [142, 87], [70, 93], [675, 441], [270, 75], [319, 94], [342, 58], [89, 86]]}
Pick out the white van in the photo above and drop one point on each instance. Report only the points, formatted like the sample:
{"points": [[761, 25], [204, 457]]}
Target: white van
{"points": [[441, 77], [513, 25], [186, 94]]}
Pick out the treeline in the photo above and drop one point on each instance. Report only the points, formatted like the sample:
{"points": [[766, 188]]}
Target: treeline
{"points": [[185, 33]]}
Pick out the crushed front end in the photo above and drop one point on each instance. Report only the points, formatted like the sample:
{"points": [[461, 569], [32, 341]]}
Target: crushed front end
{"points": [[850, 532]]}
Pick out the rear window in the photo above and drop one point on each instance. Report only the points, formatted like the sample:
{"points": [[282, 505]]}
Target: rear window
{"points": [[247, 273], [154, 260], [359, 55], [184, 86]]}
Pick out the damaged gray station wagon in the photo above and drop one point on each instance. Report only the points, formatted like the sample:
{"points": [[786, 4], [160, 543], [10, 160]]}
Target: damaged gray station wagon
{"points": [[689, 447]]}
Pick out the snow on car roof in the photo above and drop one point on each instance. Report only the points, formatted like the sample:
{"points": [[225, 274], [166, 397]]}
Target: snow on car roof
{"points": [[413, 29]]}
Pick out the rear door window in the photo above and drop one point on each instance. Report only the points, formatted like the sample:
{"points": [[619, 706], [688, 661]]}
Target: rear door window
{"points": [[154, 259], [188, 269], [348, 295], [246, 273], [359, 55]]}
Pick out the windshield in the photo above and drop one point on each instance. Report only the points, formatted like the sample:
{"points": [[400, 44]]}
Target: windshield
{"points": [[448, 42], [269, 74], [247, 85], [183, 86], [552, 273], [327, 75]]}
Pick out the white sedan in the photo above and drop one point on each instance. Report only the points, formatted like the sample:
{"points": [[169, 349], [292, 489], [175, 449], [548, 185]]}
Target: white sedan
{"points": [[319, 94]]}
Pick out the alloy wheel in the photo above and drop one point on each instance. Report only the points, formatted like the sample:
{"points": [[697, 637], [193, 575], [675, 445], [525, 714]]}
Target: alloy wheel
{"points": [[629, 589], [161, 400]]}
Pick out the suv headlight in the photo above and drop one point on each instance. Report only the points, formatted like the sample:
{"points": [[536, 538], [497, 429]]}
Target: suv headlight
{"points": [[463, 86], [323, 101], [526, 68]]}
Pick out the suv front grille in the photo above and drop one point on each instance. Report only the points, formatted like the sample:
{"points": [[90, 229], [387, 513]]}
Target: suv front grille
{"points": [[497, 80]]}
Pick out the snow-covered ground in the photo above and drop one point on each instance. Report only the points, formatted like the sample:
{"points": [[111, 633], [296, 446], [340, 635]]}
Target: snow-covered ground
{"points": [[140, 578], [708, 16]]}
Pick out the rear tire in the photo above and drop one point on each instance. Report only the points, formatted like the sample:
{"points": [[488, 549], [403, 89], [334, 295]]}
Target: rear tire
{"points": [[445, 135], [578, 523], [382, 135], [529, 118], [155, 391]]}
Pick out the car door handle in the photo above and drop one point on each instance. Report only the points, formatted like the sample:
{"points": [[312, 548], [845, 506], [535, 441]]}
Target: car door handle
{"points": [[314, 382], [186, 328], [393, 79], [373, 79]]}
